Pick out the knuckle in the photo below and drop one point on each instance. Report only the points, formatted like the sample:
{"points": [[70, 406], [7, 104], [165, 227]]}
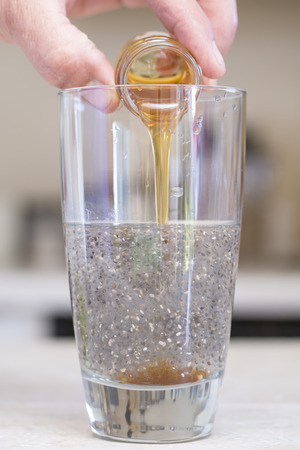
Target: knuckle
{"points": [[65, 68], [60, 65]]}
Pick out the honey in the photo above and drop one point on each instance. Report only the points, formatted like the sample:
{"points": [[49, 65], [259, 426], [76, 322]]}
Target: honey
{"points": [[152, 64], [159, 60], [162, 373]]}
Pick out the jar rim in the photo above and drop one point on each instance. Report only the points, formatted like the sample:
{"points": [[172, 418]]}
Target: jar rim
{"points": [[148, 42]]}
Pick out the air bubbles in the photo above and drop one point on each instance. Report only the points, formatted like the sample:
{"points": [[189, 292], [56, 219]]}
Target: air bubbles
{"points": [[116, 126], [217, 98], [234, 107], [197, 126], [177, 191], [224, 114], [115, 131]]}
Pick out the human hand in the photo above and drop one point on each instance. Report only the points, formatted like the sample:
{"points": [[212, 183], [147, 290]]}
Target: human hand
{"points": [[65, 57], [206, 27]]}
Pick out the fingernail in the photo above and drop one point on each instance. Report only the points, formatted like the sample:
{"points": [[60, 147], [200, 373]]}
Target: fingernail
{"points": [[104, 99], [218, 56], [98, 83]]}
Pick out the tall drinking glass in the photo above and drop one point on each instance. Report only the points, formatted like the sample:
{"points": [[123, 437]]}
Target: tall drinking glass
{"points": [[151, 197]]}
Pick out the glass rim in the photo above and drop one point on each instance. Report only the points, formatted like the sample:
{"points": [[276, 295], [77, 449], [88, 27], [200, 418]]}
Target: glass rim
{"points": [[224, 89]]}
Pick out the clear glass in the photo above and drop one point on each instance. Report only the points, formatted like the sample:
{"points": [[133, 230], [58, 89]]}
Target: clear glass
{"points": [[152, 215]]}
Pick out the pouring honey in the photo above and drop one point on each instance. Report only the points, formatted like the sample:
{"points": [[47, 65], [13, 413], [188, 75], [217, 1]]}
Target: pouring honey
{"points": [[158, 60]]}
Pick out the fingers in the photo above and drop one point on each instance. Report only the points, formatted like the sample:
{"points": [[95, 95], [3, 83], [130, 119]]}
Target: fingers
{"points": [[105, 99], [70, 59], [194, 26], [224, 19], [89, 7], [62, 54], [65, 57]]}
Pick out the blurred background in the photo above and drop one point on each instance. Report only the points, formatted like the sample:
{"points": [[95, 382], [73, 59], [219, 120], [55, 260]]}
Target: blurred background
{"points": [[265, 61]]}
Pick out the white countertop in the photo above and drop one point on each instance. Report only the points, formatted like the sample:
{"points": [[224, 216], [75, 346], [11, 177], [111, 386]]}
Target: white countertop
{"points": [[42, 404]]}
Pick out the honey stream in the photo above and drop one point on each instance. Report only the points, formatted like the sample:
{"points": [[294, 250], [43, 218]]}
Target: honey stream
{"points": [[161, 121], [160, 108]]}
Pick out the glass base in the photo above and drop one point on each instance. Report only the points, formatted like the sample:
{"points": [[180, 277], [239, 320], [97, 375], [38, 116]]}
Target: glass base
{"points": [[150, 413]]}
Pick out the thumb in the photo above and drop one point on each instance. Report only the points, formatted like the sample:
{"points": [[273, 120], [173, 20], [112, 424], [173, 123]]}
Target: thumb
{"points": [[61, 54]]}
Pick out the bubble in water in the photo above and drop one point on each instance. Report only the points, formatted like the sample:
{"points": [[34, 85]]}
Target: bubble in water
{"points": [[116, 131], [234, 107], [217, 98], [224, 114], [116, 126], [197, 125], [177, 191]]}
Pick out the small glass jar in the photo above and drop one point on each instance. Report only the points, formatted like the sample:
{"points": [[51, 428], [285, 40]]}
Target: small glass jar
{"points": [[154, 58]]}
